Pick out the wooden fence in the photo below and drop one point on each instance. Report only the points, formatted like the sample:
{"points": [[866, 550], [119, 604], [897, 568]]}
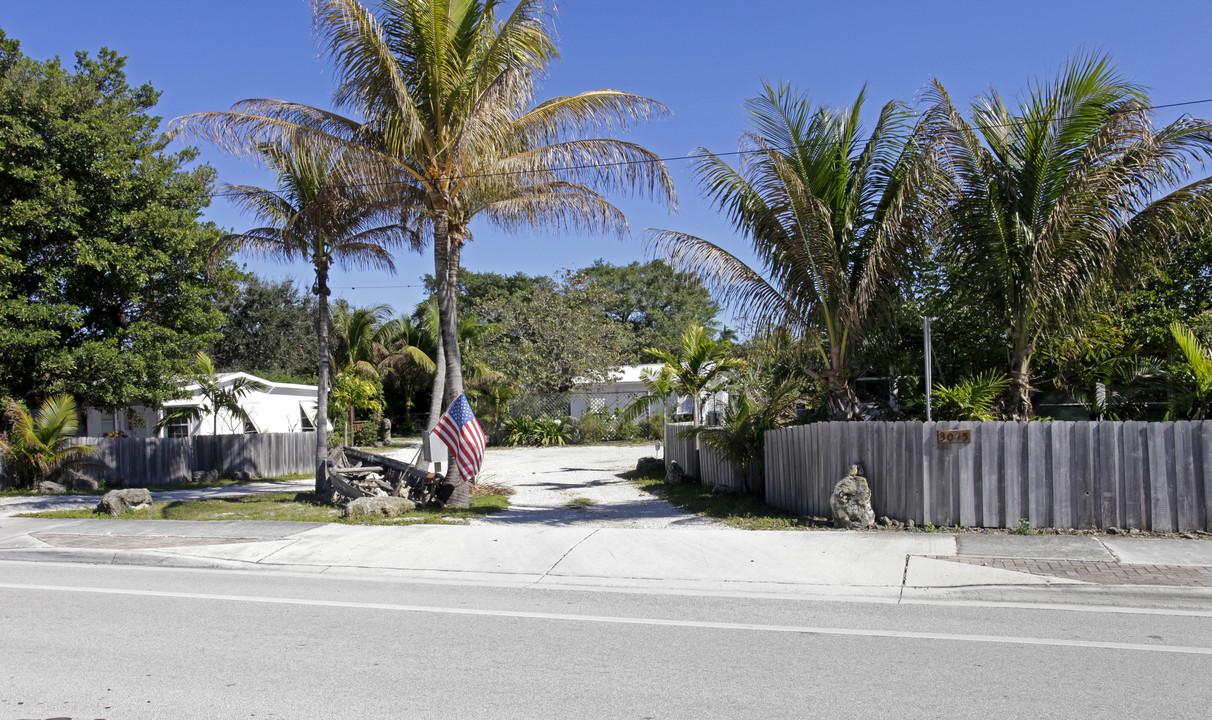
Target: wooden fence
{"points": [[681, 449], [718, 472], [151, 462], [1152, 476]]}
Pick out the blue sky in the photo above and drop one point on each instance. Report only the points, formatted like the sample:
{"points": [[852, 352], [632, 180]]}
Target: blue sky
{"points": [[701, 58]]}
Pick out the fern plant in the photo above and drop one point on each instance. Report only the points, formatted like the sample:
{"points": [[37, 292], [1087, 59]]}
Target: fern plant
{"points": [[970, 399], [1192, 396], [38, 445]]}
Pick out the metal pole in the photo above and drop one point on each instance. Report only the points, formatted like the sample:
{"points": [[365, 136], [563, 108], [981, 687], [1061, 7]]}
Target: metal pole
{"points": [[929, 363]]}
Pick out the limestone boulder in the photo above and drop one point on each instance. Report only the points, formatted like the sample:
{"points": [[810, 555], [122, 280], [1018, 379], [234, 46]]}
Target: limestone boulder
{"points": [[385, 506], [650, 466], [116, 502], [851, 502], [674, 474]]}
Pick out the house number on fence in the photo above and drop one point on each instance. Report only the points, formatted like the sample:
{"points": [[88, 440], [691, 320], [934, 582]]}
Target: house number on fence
{"points": [[954, 436]]}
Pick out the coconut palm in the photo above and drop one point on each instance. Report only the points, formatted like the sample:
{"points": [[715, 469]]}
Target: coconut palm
{"points": [[39, 445], [446, 89], [831, 211], [1054, 200], [318, 216]]}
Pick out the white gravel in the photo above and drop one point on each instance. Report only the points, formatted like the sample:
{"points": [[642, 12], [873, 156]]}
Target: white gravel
{"points": [[547, 480]]}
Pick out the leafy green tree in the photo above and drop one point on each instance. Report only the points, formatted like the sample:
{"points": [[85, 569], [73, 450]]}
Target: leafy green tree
{"points": [[319, 216], [831, 210], [370, 342], [266, 329], [218, 396], [1052, 202], [39, 445], [351, 392], [544, 338], [653, 303], [104, 292]]}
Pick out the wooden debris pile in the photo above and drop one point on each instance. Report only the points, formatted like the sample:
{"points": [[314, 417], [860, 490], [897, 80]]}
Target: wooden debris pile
{"points": [[354, 474]]}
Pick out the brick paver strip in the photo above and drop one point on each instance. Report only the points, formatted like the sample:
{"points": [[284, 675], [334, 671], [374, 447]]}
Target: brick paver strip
{"points": [[1099, 572], [132, 542]]}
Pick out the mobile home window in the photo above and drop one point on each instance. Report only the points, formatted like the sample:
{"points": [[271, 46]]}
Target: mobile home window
{"points": [[178, 428]]}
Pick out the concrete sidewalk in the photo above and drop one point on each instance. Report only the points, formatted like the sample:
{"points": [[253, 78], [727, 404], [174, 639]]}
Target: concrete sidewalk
{"points": [[1116, 571]]}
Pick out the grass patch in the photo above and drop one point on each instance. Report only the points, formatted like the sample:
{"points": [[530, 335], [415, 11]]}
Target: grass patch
{"points": [[219, 483], [747, 512], [290, 507]]}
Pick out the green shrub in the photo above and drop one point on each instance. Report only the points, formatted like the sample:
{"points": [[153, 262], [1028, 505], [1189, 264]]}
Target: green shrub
{"points": [[593, 427], [652, 428], [367, 434]]}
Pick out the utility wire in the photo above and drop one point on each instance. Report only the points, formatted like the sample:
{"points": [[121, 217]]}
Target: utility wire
{"points": [[734, 153]]}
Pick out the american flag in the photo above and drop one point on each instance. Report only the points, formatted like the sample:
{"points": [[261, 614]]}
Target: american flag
{"points": [[463, 436]]}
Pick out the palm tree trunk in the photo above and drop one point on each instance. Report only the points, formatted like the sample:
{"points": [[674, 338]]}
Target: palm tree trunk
{"points": [[1020, 379], [322, 388], [439, 385], [446, 271]]}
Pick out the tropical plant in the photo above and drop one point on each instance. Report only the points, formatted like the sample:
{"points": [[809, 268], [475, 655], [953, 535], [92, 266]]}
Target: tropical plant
{"points": [[1052, 202], [446, 88], [218, 395], [831, 211], [317, 215], [542, 431], [700, 365], [1192, 396], [38, 446], [762, 396], [658, 385], [352, 392], [371, 342], [971, 398]]}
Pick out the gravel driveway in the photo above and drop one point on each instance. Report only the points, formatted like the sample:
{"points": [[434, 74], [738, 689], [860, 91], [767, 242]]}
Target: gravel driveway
{"points": [[547, 480]]}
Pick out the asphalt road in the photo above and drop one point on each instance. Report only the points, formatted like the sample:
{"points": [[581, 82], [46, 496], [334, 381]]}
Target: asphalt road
{"points": [[128, 642]]}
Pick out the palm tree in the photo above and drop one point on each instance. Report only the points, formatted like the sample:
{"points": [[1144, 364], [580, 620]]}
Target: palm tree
{"points": [[39, 445], [1055, 200], [699, 365], [446, 89], [319, 216], [217, 396], [831, 213], [371, 343], [659, 387]]}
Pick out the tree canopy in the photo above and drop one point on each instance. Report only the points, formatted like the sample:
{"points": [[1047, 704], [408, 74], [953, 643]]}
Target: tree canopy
{"points": [[104, 289], [653, 304]]}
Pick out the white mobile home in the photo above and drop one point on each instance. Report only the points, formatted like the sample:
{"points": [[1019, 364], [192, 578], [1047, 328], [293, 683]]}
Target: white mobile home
{"points": [[272, 408], [624, 385]]}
